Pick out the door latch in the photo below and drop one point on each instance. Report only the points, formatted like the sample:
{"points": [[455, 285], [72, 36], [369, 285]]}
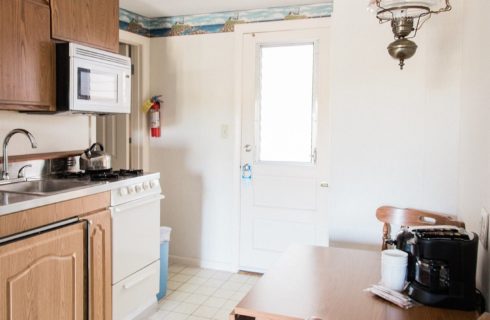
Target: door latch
{"points": [[314, 156], [247, 148]]}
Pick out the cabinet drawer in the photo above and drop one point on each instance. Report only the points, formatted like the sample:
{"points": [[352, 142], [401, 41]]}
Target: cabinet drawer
{"points": [[135, 293]]}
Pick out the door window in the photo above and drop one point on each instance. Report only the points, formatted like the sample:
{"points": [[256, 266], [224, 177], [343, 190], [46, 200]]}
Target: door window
{"points": [[286, 103]]}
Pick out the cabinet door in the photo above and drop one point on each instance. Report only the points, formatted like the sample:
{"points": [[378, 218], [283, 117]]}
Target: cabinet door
{"points": [[100, 285], [42, 277], [91, 22], [27, 77]]}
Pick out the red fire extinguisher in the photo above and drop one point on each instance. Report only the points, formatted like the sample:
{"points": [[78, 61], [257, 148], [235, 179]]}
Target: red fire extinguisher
{"points": [[155, 120], [153, 107]]}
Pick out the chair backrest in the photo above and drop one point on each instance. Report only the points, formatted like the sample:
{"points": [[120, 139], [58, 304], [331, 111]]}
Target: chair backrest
{"points": [[411, 217]]}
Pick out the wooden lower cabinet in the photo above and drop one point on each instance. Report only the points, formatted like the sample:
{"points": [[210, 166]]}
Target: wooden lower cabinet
{"points": [[100, 263], [42, 277]]}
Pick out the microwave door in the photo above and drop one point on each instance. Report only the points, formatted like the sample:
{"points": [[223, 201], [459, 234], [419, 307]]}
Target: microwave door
{"points": [[99, 88], [83, 84]]}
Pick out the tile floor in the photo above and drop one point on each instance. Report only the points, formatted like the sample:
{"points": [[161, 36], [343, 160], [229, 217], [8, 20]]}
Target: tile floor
{"points": [[202, 294]]}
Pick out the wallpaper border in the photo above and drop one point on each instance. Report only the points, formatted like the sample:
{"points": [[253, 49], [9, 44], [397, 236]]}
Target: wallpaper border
{"points": [[216, 22]]}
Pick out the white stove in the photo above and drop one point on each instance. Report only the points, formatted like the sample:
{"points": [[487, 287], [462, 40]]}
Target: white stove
{"points": [[135, 207]]}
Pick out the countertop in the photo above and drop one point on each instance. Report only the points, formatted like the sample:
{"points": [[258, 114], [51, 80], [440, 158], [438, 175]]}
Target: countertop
{"points": [[14, 202]]}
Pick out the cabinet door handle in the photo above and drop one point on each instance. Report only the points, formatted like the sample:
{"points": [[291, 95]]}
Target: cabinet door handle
{"points": [[131, 284]]}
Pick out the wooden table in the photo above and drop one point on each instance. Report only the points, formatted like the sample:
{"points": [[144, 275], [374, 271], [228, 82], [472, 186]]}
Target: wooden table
{"points": [[328, 283]]}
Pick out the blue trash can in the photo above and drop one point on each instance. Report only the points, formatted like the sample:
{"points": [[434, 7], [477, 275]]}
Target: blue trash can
{"points": [[164, 241]]}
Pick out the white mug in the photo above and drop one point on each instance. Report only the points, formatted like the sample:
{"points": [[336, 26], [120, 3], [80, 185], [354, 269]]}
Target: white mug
{"points": [[394, 269]]}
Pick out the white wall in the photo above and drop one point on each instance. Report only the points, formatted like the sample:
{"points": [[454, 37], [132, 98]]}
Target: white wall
{"points": [[53, 133], [394, 133], [474, 178], [195, 76]]}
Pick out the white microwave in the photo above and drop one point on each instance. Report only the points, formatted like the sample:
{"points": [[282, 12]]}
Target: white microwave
{"points": [[92, 81]]}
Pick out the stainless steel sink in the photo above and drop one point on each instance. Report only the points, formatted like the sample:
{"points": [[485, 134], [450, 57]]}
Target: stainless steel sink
{"points": [[44, 187]]}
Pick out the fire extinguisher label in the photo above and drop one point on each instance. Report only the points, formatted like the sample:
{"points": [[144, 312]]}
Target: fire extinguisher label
{"points": [[155, 119]]}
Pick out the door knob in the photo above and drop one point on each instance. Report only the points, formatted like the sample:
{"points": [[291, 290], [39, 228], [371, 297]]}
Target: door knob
{"points": [[247, 148], [324, 184]]}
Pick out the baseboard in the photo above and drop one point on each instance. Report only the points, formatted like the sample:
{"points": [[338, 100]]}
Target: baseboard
{"points": [[206, 264]]}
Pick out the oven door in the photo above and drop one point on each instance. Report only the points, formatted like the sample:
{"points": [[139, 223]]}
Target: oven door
{"points": [[99, 87], [135, 236]]}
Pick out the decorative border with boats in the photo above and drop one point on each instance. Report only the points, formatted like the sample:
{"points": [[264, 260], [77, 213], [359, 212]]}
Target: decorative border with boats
{"points": [[216, 22]]}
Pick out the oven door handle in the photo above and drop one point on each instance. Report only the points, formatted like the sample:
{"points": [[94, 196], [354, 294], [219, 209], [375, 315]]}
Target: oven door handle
{"points": [[136, 203]]}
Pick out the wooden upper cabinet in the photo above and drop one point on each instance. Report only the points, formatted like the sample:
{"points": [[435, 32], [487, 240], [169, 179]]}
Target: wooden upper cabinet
{"points": [[27, 76], [42, 277], [91, 22]]}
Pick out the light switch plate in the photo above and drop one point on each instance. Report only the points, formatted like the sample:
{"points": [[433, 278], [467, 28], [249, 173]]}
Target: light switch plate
{"points": [[225, 131], [484, 228]]}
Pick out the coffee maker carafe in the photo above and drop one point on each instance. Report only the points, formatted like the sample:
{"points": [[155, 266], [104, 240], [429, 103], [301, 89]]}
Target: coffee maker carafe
{"points": [[441, 265]]}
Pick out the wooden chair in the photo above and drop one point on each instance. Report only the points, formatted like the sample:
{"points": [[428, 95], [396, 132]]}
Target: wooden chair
{"points": [[411, 217]]}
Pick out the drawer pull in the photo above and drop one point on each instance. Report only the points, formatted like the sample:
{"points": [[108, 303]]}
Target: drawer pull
{"points": [[131, 284]]}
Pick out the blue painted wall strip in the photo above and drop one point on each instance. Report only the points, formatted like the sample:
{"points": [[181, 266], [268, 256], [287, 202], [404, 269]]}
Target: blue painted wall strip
{"points": [[216, 22]]}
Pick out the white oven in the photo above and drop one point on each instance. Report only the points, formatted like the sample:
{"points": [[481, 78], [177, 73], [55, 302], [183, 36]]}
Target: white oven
{"points": [[135, 247]]}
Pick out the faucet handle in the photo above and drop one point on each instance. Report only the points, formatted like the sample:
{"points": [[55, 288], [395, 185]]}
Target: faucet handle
{"points": [[21, 173]]}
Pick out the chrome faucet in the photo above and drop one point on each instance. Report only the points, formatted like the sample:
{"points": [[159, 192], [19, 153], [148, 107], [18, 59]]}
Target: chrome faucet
{"points": [[5, 173]]}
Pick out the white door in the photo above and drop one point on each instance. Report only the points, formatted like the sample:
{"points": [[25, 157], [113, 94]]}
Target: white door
{"points": [[285, 142]]}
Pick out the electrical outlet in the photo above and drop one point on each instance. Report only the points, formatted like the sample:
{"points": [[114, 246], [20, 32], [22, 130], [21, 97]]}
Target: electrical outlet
{"points": [[484, 228]]}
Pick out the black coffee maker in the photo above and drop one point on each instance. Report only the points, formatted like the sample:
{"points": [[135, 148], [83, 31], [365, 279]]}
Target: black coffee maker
{"points": [[441, 265]]}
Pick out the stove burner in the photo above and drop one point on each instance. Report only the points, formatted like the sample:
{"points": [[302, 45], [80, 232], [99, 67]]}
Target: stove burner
{"points": [[71, 175], [129, 173], [104, 175]]}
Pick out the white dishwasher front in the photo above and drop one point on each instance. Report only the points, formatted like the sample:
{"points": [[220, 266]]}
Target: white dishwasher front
{"points": [[135, 236]]}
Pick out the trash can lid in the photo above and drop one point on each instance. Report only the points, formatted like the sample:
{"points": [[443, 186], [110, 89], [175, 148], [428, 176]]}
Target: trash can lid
{"points": [[165, 233]]}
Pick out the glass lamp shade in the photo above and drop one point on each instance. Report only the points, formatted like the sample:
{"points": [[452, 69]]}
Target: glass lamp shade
{"points": [[392, 9]]}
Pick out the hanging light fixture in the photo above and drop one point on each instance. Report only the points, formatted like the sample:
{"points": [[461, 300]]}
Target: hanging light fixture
{"points": [[406, 17]]}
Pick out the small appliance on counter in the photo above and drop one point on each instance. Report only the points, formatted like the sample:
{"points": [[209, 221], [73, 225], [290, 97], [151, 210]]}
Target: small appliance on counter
{"points": [[441, 265], [95, 159]]}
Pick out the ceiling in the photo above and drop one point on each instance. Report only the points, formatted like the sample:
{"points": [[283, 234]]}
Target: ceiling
{"points": [[170, 8]]}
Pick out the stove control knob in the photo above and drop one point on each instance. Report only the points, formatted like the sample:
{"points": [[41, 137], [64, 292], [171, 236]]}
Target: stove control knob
{"points": [[123, 191], [146, 185], [131, 189], [139, 188], [154, 183]]}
